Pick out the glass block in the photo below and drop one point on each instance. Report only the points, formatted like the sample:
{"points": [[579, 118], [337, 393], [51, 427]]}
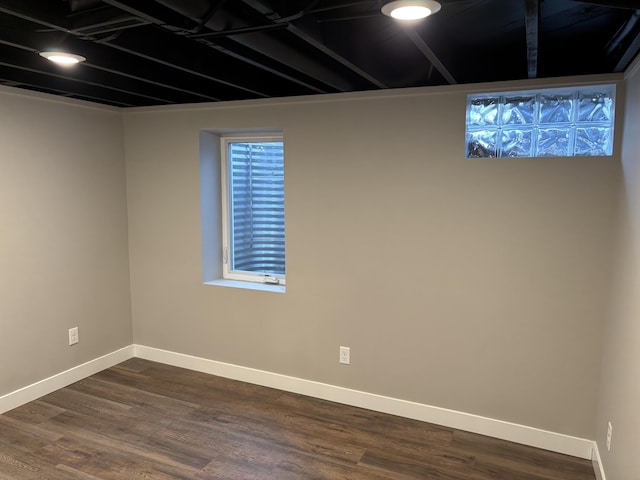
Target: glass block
{"points": [[482, 144], [519, 110], [593, 141], [554, 142], [595, 107], [516, 143], [556, 108], [483, 111]]}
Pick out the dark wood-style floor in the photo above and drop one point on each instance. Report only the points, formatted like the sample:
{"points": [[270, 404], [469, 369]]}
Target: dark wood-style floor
{"points": [[144, 420]]}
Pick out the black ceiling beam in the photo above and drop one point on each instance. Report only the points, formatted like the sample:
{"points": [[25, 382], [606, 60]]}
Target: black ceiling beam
{"points": [[265, 50], [624, 31], [155, 13], [623, 4], [238, 81], [616, 47], [268, 65], [106, 19], [151, 75], [144, 76], [265, 10], [422, 46], [177, 94], [532, 13], [315, 79], [298, 32], [25, 11], [238, 31], [169, 19], [22, 79], [45, 78], [30, 61], [177, 60], [209, 15], [282, 52], [629, 54], [191, 29]]}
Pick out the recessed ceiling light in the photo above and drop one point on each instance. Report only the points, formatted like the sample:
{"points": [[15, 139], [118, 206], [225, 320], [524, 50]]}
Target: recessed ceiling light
{"points": [[411, 10], [63, 58]]}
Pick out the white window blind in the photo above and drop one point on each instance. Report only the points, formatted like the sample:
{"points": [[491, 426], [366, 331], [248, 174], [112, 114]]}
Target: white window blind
{"points": [[256, 232]]}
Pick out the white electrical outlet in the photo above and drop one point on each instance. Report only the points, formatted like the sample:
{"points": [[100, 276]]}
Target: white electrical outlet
{"points": [[609, 433], [345, 355], [73, 336]]}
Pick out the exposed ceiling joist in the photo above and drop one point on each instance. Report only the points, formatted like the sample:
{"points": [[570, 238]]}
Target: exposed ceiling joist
{"points": [[177, 61], [260, 6], [167, 18], [432, 57], [532, 12], [108, 86], [146, 76], [143, 52], [143, 47], [26, 79], [335, 56], [629, 54]]}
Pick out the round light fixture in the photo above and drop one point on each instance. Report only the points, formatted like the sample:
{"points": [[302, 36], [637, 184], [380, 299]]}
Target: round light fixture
{"points": [[411, 10], [63, 58]]}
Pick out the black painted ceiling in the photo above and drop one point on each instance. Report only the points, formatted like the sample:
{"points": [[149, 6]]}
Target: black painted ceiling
{"points": [[157, 52]]}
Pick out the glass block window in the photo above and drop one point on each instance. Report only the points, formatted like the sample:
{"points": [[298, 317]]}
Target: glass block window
{"points": [[542, 123]]}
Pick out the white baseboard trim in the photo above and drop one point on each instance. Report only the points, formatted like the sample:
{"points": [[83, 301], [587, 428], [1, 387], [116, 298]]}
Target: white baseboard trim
{"points": [[568, 445], [598, 468], [44, 387]]}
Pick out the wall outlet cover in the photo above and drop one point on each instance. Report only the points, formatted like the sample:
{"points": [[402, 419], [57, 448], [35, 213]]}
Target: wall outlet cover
{"points": [[73, 336]]}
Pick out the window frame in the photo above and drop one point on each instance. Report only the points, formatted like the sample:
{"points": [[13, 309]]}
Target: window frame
{"points": [[225, 177]]}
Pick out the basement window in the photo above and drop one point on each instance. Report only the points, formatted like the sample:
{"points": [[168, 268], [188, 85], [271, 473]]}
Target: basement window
{"points": [[242, 209], [253, 209], [541, 123]]}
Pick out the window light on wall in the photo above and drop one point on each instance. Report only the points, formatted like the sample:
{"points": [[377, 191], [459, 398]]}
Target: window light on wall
{"points": [[541, 123]]}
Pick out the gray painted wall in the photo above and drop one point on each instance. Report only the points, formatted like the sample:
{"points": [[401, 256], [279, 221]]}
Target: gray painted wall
{"points": [[474, 285], [619, 400], [480, 285], [63, 236]]}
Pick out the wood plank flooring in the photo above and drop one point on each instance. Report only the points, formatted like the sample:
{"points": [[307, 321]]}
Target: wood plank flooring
{"points": [[144, 420]]}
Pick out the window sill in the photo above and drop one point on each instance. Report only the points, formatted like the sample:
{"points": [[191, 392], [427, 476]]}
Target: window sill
{"points": [[248, 285]]}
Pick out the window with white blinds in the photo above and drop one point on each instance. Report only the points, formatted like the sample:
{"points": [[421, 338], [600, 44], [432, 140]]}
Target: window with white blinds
{"points": [[253, 209]]}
